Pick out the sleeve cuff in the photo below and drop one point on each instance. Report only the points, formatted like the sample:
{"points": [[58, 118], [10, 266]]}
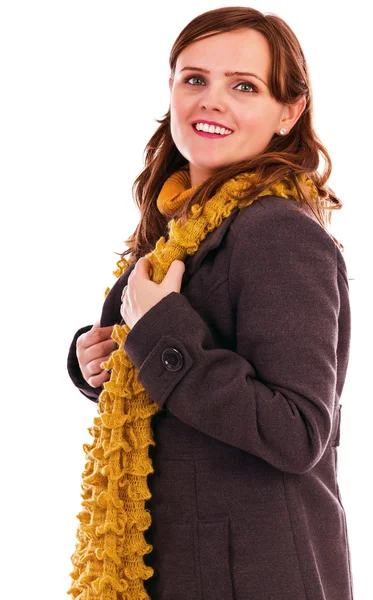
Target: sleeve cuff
{"points": [[155, 347]]}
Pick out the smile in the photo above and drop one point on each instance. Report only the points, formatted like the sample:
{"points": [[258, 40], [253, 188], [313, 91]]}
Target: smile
{"points": [[210, 135]]}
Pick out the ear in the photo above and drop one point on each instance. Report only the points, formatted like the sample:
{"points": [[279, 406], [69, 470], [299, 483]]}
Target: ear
{"points": [[291, 114], [170, 82]]}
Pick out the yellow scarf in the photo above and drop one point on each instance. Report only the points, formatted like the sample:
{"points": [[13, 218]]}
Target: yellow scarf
{"points": [[108, 559], [175, 192]]}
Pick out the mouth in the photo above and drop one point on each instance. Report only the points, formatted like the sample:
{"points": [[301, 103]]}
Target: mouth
{"points": [[207, 134]]}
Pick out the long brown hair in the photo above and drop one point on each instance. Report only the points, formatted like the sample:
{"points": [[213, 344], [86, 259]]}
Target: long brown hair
{"points": [[297, 152]]}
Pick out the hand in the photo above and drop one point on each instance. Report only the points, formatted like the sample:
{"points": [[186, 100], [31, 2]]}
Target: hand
{"points": [[93, 348], [142, 293]]}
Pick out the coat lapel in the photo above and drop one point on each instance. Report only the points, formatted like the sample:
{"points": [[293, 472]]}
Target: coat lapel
{"points": [[211, 242]]}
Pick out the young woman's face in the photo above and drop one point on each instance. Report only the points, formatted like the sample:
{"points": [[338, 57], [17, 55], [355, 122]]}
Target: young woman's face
{"points": [[241, 103]]}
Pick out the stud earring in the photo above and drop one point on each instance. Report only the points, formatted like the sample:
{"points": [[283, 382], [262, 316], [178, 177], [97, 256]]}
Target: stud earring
{"points": [[282, 131]]}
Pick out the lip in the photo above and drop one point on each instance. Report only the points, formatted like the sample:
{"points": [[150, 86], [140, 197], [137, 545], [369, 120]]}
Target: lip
{"points": [[215, 136], [211, 123]]}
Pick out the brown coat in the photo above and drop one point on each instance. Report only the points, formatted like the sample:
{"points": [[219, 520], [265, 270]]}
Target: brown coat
{"points": [[247, 364]]}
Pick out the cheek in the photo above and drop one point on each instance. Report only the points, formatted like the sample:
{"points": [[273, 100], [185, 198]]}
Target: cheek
{"points": [[178, 104], [260, 119], [181, 113]]}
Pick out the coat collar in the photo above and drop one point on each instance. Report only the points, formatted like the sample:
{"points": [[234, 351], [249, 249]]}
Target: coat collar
{"points": [[211, 242]]}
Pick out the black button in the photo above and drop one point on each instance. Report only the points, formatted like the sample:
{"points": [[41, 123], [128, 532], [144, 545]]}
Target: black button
{"points": [[172, 359]]}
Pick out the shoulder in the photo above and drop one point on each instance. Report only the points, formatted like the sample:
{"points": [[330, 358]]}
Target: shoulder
{"points": [[272, 228], [278, 223], [276, 235], [286, 222], [279, 253], [270, 212]]}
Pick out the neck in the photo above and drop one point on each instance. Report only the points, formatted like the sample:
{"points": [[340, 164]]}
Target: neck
{"points": [[199, 175]]}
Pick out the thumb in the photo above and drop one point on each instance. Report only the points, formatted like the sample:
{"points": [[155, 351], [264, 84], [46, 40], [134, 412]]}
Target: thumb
{"points": [[97, 324], [174, 275]]}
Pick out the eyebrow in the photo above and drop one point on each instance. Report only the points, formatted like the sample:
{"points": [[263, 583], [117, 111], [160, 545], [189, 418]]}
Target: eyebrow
{"points": [[227, 74]]}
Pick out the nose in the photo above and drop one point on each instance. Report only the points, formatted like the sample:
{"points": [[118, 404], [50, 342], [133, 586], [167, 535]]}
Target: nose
{"points": [[212, 98]]}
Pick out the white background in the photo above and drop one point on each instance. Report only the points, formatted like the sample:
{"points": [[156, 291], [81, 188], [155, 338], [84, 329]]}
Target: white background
{"points": [[82, 83]]}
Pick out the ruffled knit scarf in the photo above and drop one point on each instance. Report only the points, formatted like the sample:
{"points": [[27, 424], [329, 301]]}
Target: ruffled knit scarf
{"points": [[108, 559]]}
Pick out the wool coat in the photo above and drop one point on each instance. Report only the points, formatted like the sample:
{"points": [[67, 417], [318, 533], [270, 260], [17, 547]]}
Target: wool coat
{"points": [[247, 365]]}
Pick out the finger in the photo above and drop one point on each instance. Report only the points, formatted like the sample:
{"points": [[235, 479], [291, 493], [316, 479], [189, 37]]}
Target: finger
{"points": [[95, 335], [142, 267], [180, 265], [177, 267], [83, 340], [108, 346], [98, 351], [174, 275], [105, 331], [94, 367], [97, 380]]}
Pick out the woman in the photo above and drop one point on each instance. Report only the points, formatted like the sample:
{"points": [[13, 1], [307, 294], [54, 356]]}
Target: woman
{"points": [[242, 344]]}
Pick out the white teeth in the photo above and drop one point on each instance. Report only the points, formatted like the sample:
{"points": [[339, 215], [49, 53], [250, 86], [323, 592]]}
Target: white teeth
{"points": [[212, 128]]}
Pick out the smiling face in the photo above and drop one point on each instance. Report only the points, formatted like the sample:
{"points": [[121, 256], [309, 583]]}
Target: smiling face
{"points": [[241, 103]]}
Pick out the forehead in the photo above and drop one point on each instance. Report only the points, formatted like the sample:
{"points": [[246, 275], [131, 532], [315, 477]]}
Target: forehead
{"points": [[241, 50]]}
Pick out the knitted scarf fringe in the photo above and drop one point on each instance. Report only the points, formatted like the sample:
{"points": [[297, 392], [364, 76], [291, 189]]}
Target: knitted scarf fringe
{"points": [[108, 559]]}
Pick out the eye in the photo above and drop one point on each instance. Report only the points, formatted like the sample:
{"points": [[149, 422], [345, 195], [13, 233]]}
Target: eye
{"points": [[251, 85], [193, 77], [254, 89]]}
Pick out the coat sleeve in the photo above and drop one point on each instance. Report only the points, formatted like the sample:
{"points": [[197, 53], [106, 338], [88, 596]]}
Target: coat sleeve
{"points": [[74, 371], [274, 396], [110, 315]]}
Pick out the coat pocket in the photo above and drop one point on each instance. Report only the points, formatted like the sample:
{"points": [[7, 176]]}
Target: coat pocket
{"points": [[213, 543], [176, 575]]}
